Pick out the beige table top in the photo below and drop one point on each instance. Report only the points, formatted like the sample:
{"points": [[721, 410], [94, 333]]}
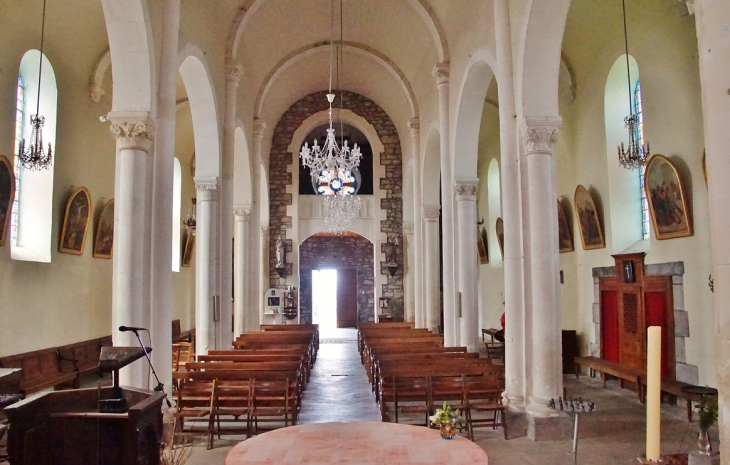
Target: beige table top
{"points": [[357, 442]]}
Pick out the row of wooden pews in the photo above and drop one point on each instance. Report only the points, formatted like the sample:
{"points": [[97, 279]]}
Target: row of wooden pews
{"points": [[259, 382], [412, 373]]}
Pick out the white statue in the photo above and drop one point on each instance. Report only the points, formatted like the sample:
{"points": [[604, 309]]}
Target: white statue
{"points": [[280, 253]]}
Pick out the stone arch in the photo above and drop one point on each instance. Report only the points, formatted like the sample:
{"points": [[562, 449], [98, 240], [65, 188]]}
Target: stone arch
{"points": [[196, 79], [131, 46], [469, 113], [431, 171], [96, 82], [322, 47], [422, 8], [537, 83], [242, 181]]}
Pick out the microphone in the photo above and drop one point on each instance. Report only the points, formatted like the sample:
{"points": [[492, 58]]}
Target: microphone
{"points": [[131, 328]]}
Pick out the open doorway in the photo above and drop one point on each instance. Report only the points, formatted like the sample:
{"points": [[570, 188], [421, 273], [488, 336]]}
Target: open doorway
{"points": [[334, 298]]}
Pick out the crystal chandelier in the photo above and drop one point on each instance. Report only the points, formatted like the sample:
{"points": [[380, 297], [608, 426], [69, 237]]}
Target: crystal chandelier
{"points": [[34, 157], [635, 155], [340, 211]]}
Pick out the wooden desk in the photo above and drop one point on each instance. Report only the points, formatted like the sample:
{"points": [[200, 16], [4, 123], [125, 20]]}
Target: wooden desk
{"points": [[361, 442]]}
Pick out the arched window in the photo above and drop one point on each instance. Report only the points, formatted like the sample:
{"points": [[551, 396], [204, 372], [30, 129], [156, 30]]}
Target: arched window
{"points": [[32, 214], [638, 110], [176, 204]]}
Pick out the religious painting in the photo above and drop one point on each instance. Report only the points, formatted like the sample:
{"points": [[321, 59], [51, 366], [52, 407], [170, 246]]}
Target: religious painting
{"points": [[482, 245], [590, 227], [104, 241], [565, 234], [7, 193], [75, 223], [704, 167], [500, 235], [667, 202], [187, 256]]}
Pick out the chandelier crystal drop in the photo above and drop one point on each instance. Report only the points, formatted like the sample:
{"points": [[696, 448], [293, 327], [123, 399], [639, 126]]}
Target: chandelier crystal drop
{"points": [[635, 155], [34, 157], [340, 211]]}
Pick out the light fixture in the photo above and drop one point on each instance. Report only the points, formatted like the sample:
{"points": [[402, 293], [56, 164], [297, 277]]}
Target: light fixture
{"points": [[190, 220], [340, 211], [635, 155], [34, 157]]}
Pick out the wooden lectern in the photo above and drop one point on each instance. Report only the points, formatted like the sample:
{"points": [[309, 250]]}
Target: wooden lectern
{"points": [[70, 428]]}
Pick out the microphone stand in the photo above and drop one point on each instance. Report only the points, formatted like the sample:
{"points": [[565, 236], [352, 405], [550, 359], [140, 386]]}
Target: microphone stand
{"points": [[160, 387]]}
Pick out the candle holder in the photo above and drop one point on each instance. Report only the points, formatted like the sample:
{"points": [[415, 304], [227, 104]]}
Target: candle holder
{"points": [[642, 459], [574, 406]]}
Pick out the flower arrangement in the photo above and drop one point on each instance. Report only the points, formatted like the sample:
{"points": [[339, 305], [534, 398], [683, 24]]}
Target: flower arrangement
{"points": [[446, 416], [708, 415]]}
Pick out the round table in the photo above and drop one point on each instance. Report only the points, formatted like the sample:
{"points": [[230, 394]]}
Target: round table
{"points": [[356, 442]]}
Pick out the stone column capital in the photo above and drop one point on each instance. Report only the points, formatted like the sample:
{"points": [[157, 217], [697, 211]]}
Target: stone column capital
{"points": [[258, 128], [441, 73], [431, 212], [539, 134], [264, 230], [414, 125], [466, 189], [242, 212], [234, 71], [408, 229], [207, 187], [132, 130]]}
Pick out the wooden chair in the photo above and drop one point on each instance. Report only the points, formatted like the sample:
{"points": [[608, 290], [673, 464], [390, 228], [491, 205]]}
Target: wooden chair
{"points": [[196, 399], [233, 398], [484, 394]]}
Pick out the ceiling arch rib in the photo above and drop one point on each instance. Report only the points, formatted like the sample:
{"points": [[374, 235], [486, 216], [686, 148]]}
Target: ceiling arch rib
{"points": [[318, 47], [422, 8]]}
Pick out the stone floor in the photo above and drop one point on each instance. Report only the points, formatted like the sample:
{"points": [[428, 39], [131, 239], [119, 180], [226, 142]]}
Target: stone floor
{"points": [[614, 434]]}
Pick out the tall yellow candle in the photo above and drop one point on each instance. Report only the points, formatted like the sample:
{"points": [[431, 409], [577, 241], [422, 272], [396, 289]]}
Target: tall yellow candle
{"points": [[653, 391]]}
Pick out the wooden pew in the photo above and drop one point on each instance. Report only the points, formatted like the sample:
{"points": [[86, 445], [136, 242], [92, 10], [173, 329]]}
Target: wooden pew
{"points": [[81, 358], [617, 370], [41, 370]]}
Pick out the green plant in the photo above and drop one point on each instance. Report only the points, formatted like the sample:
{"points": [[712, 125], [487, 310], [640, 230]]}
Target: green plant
{"points": [[445, 415], [708, 415]]}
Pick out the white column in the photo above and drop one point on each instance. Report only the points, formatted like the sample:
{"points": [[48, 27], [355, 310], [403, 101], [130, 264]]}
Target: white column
{"points": [[206, 266], [431, 284], [465, 191], [414, 126], [514, 363], [712, 18], [263, 266], [257, 297], [130, 275], [162, 190], [223, 326], [409, 252], [441, 73], [241, 275], [539, 135]]}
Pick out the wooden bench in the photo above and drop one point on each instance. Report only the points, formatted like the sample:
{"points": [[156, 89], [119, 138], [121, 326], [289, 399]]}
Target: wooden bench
{"points": [[622, 372], [675, 389], [82, 357], [41, 370], [182, 336]]}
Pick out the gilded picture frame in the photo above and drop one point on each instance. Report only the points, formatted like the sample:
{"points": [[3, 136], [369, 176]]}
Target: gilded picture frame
{"points": [[104, 240], [591, 234], [565, 232], [667, 200], [7, 194], [75, 223], [187, 256]]}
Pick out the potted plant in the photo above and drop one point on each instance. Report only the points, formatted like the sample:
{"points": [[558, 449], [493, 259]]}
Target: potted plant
{"points": [[447, 420], [708, 417]]}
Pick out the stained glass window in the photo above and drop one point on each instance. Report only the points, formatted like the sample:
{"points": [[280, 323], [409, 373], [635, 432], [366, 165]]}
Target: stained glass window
{"points": [[19, 120], [638, 111]]}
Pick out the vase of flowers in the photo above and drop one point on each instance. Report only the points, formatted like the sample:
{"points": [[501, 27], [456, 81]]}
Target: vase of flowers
{"points": [[708, 417], [447, 420]]}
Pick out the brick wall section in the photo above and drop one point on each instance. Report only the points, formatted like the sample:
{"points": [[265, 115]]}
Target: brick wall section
{"points": [[338, 252], [392, 183]]}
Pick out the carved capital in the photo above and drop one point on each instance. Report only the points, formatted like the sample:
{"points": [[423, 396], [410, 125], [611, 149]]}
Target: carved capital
{"points": [[132, 131], [441, 73], [414, 125], [258, 128], [408, 229], [466, 189], [207, 187], [242, 212], [539, 134], [431, 212], [264, 230], [234, 71]]}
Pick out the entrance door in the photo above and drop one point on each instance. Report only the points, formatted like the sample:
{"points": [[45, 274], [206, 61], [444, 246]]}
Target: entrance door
{"points": [[347, 299]]}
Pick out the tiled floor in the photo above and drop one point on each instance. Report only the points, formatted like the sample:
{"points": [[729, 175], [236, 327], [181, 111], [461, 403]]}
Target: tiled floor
{"points": [[614, 434]]}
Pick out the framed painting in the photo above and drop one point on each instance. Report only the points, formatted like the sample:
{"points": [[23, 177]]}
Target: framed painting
{"points": [[75, 222], [565, 233], [104, 240], [590, 227], [187, 256], [7, 193], [667, 201], [500, 235], [482, 245]]}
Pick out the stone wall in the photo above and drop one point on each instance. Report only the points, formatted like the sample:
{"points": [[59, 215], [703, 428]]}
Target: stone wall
{"points": [[280, 177], [339, 253]]}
